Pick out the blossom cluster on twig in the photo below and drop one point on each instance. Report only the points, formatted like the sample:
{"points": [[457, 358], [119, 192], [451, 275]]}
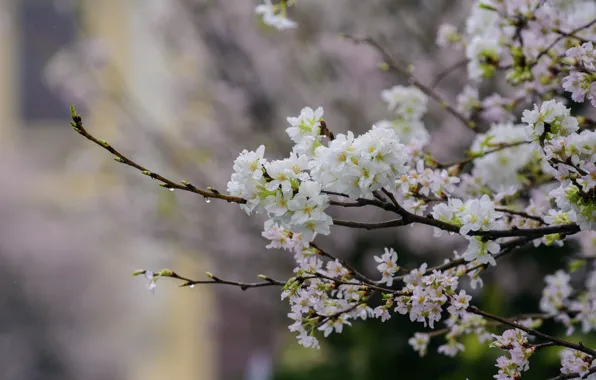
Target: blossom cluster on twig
{"points": [[530, 178]]}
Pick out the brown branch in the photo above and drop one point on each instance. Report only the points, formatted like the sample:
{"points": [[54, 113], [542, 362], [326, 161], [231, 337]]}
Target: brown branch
{"points": [[394, 66], [572, 35], [353, 271], [560, 38], [357, 284], [345, 204], [325, 131], [505, 248], [557, 341], [521, 213], [77, 123], [542, 345], [479, 155], [369, 226], [442, 75], [409, 218], [325, 318], [574, 375], [214, 280]]}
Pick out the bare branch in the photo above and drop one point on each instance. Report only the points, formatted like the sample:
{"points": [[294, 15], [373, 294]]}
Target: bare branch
{"points": [[445, 73], [215, 280], [77, 123], [394, 66], [468, 160]]}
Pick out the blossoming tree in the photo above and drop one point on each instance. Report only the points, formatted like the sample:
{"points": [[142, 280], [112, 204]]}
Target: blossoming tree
{"points": [[529, 179]]}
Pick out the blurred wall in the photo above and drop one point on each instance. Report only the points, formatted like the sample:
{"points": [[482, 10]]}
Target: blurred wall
{"points": [[68, 307]]}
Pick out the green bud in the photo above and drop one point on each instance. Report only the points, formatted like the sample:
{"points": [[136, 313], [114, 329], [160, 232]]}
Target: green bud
{"points": [[146, 172], [103, 142], [118, 159], [139, 272], [487, 7], [73, 111], [165, 273], [209, 274], [488, 70], [263, 277], [383, 66], [574, 265]]}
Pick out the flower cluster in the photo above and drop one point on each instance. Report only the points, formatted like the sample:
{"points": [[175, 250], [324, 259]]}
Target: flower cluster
{"points": [[387, 266], [573, 362], [549, 121], [420, 185], [516, 344], [501, 168], [568, 306], [409, 105], [554, 295], [275, 15], [282, 189], [468, 101], [427, 294], [460, 324], [581, 79], [305, 131], [357, 166], [472, 215]]}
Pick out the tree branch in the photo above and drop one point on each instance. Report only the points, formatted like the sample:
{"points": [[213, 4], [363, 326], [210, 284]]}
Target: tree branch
{"points": [[557, 341], [394, 66], [214, 280], [442, 75], [483, 154], [574, 375], [77, 123]]}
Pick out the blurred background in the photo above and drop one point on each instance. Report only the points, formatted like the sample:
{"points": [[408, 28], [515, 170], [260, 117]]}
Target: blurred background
{"points": [[182, 86]]}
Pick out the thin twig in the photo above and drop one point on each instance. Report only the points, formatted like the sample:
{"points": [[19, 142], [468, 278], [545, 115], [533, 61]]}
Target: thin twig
{"points": [[479, 155], [521, 213], [442, 75], [215, 280], [561, 37], [353, 271], [77, 124], [572, 35], [326, 318], [393, 65], [557, 341], [574, 375]]}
